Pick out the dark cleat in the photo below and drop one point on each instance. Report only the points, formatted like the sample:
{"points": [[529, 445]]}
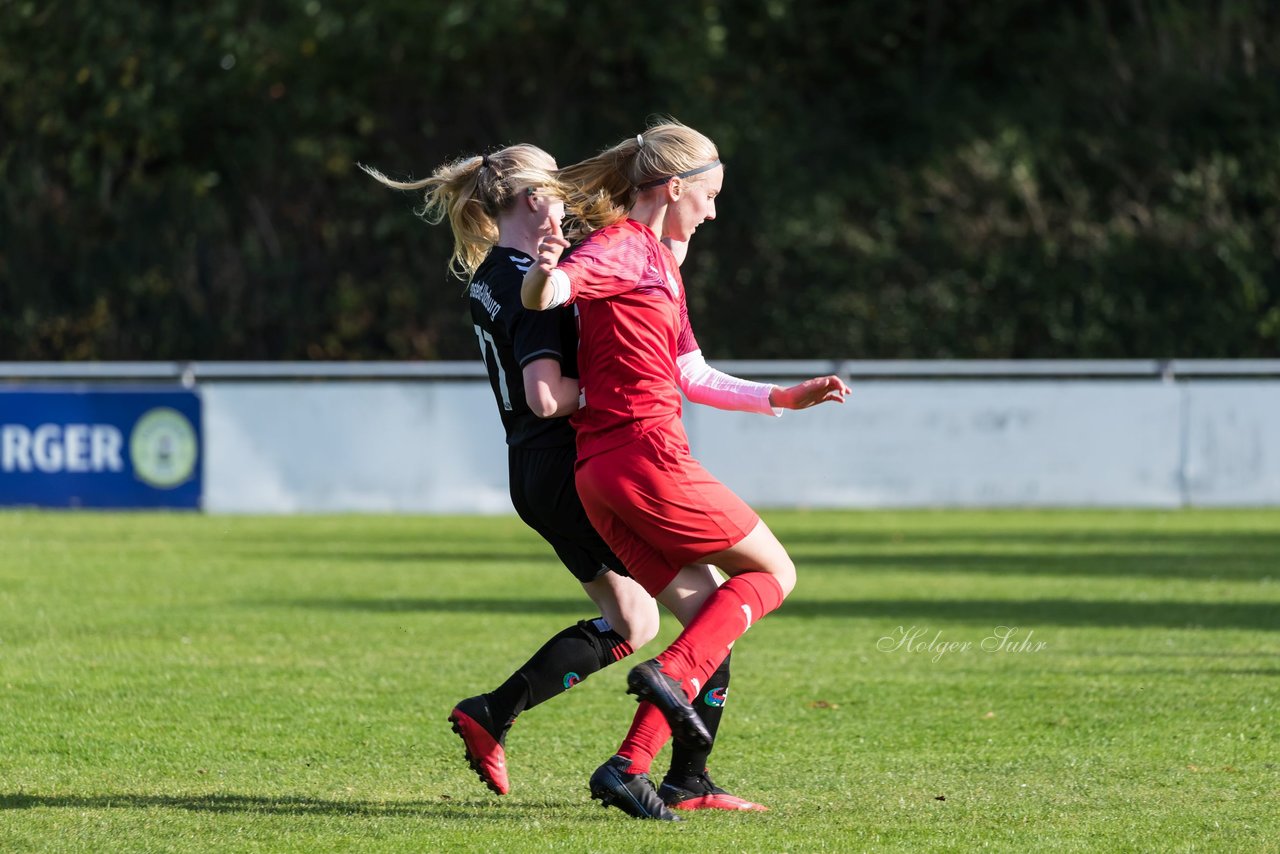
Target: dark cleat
{"points": [[701, 793], [648, 682], [472, 721], [634, 794]]}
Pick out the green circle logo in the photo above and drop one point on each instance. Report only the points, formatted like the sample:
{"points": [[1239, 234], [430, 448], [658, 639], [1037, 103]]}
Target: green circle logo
{"points": [[163, 448]]}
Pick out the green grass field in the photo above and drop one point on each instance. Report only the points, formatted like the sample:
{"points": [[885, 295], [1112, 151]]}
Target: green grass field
{"points": [[197, 683]]}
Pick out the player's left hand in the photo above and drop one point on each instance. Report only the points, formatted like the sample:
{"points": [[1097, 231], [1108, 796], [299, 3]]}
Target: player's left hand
{"points": [[810, 393]]}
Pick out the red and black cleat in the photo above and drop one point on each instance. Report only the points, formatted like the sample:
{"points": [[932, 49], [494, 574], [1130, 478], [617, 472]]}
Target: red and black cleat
{"points": [[471, 720], [613, 785], [703, 794], [649, 683]]}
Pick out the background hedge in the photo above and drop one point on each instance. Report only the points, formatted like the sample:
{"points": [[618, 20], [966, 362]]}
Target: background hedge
{"points": [[906, 179]]}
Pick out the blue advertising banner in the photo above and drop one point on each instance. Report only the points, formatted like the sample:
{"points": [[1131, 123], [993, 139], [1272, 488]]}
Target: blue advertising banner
{"points": [[100, 448]]}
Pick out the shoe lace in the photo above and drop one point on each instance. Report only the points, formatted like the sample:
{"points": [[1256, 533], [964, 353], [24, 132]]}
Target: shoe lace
{"points": [[710, 785]]}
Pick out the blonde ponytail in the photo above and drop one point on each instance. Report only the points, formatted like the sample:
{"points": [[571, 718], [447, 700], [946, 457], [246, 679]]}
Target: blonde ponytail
{"points": [[600, 190], [472, 191]]}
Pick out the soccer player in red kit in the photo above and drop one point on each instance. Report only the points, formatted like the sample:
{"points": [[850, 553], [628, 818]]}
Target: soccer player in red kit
{"points": [[498, 206], [655, 505]]}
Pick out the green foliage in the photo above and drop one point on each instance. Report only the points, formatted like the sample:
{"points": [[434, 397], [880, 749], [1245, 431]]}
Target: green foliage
{"points": [[906, 179], [197, 683]]}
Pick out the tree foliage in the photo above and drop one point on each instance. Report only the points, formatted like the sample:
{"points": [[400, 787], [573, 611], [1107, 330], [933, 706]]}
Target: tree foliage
{"points": [[907, 179]]}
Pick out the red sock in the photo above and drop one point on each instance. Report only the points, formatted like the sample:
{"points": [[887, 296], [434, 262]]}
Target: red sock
{"points": [[727, 614], [649, 731], [695, 655]]}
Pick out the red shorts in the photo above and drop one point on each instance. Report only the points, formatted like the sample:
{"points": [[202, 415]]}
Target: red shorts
{"points": [[658, 508]]}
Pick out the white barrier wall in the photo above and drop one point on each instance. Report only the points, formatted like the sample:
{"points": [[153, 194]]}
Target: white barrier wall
{"points": [[1232, 443], [282, 447], [904, 444], [437, 446]]}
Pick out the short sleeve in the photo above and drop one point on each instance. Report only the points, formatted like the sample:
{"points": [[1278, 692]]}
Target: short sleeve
{"points": [[537, 335], [602, 267]]}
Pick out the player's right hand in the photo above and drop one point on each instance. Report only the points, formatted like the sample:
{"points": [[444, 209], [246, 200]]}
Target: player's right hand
{"points": [[550, 247]]}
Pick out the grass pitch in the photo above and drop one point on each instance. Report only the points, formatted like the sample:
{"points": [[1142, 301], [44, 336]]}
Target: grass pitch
{"points": [[196, 683]]}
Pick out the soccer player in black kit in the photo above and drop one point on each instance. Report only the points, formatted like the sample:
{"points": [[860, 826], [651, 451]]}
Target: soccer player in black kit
{"points": [[499, 205]]}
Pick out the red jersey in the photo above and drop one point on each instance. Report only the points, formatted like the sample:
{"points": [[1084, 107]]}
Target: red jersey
{"points": [[633, 324]]}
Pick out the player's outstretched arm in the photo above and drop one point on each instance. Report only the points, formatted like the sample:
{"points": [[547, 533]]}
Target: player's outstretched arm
{"points": [[704, 384], [538, 290], [809, 393]]}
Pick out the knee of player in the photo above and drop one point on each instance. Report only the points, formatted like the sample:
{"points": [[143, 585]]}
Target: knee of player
{"points": [[785, 575], [639, 623]]}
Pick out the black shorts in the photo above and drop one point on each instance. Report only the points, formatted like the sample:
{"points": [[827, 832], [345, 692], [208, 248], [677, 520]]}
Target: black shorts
{"points": [[545, 498]]}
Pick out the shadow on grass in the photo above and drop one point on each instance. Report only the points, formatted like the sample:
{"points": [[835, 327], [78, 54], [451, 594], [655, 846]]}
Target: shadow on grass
{"points": [[1127, 538], [286, 805], [375, 555], [1228, 566], [1165, 563], [1231, 555], [1031, 613], [1197, 673], [1239, 556]]}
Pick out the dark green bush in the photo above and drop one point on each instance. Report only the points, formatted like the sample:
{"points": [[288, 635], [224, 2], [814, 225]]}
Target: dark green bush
{"points": [[906, 179]]}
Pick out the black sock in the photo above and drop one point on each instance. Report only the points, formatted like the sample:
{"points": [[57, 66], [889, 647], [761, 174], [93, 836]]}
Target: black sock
{"points": [[562, 662], [687, 763]]}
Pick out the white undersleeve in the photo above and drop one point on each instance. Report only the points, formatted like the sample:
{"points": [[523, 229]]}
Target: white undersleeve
{"points": [[703, 384]]}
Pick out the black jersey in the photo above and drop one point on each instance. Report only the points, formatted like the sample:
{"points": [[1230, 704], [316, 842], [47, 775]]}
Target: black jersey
{"points": [[511, 337]]}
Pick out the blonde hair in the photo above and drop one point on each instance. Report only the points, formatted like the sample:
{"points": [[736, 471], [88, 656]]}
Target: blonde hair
{"points": [[600, 190], [472, 191]]}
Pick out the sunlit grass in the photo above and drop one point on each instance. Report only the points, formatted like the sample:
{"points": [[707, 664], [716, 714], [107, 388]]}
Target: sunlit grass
{"points": [[183, 683]]}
